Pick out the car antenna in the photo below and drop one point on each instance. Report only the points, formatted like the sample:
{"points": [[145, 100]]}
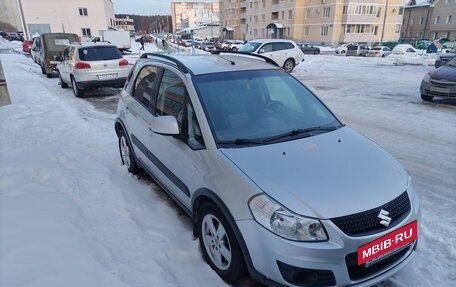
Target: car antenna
{"points": [[231, 62]]}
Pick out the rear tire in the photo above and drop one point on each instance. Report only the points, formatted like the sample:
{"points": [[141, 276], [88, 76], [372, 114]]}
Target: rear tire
{"points": [[77, 91], [43, 70], [126, 154], [218, 243], [289, 65], [426, 98]]}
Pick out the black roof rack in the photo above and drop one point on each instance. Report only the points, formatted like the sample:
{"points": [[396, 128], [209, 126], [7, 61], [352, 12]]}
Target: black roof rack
{"points": [[270, 61], [178, 63]]}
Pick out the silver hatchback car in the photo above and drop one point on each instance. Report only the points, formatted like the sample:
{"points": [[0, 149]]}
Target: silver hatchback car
{"points": [[92, 65], [276, 186]]}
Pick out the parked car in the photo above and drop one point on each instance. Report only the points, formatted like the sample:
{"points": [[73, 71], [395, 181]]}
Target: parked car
{"points": [[235, 45], [27, 46], [208, 47], [402, 49], [440, 82], [260, 165], [379, 51], [36, 50], [92, 65], [443, 58], [284, 52], [306, 48], [14, 36], [52, 45], [342, 48], [357, 50]]}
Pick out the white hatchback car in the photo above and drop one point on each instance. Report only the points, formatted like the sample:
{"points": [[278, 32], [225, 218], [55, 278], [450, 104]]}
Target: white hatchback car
{"points": [[282, 51], [92, 65]]}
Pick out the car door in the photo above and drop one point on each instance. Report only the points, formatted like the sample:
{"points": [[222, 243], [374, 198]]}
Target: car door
{"points": [[138, 112], [63, 66], [177, 159]]}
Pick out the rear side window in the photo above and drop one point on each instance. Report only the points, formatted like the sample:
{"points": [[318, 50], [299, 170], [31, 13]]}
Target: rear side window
{"points": [[352, 48], [171, 96], [99, 53], [144, 85]]}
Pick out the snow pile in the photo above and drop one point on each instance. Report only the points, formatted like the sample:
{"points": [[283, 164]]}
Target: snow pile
{"points": [[5, 44]]}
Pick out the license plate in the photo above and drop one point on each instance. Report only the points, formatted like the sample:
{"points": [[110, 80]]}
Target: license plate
{"points": [[383, 246], [440, 90], [107, 76]]}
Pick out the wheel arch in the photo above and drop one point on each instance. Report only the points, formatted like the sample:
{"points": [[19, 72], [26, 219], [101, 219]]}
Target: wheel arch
{"points": [[204, 195]]}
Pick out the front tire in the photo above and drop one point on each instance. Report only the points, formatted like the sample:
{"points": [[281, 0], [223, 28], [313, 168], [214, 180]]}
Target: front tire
{"points": [[289, 65], [77, 91], [426, 98], [126, 154], [218, 243]]}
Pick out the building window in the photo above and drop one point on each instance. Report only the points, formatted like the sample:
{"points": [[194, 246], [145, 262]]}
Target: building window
{"points": [[263, 18], [437, 20], [326, 12], [306, 31], [398, 28], [308, 14], [324, 31], [283, 15], [264, 3], [345, 10], [411, 21], [83, 12], [401, 10], [290, 14], [86, 32], [421, 20], [449, 18]]}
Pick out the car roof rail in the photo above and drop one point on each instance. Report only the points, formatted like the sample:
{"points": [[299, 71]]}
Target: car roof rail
{"points": [[178, 63], [268, 60]]}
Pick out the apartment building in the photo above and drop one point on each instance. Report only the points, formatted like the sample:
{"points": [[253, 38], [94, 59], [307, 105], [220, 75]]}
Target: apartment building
{"points": [[84, 17], [9, 13], [429, 19], [191, 14], [326, 22], [126, 24]]}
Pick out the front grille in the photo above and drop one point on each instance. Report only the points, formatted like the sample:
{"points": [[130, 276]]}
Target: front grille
{"points": [[367, 222], [438, 94], [358, 272]]}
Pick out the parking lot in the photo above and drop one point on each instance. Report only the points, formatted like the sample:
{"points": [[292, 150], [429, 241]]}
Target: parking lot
{"points": [[379, 97]]}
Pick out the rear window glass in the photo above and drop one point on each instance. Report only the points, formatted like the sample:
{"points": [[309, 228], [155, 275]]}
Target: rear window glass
{"points": [[99, 53]]}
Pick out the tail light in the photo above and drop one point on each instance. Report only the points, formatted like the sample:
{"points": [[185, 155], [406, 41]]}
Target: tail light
{"points": [[123, 62], [82, 65]]}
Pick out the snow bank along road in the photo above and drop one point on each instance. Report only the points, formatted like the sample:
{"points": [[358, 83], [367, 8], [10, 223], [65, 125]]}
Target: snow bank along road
{"points": [[70, 215]]}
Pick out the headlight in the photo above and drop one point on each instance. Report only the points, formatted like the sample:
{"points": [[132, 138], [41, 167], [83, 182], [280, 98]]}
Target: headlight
{"points": [[426, 78], [282, 222]]}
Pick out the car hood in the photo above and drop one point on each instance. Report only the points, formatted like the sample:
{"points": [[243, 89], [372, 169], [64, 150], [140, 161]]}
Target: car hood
{"points": [[443, 73], [324, 176]]}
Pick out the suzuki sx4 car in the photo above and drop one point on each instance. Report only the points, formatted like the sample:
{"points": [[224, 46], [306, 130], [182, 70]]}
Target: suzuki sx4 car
{"points": [[277, 187]]}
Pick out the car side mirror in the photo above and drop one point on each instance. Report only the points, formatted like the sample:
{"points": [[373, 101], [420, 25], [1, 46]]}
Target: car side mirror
{"points": [[261, 51], [165, 125]]}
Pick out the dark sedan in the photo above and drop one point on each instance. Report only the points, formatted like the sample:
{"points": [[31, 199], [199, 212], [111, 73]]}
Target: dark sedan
{"points": [[309, 49], [440, 82], [443, 58]]}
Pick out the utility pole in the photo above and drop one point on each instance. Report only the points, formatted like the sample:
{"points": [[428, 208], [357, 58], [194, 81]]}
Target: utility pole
{"points": [[384, 23]]}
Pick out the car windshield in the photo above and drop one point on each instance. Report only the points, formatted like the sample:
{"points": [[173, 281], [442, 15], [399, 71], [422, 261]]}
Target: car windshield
{"points": [[261, 107], [249, 47], [99, 53]]}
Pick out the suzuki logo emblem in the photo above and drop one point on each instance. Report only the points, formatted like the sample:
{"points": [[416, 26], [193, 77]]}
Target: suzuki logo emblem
{"points": [[383, 215]]}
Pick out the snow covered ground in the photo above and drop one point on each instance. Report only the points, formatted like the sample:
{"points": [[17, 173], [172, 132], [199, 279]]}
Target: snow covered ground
{"points": [[71, 215]]}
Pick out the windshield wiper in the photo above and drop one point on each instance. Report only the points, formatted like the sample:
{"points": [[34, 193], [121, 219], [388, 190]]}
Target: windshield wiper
{"points": [[296, 132], [240, 141]]}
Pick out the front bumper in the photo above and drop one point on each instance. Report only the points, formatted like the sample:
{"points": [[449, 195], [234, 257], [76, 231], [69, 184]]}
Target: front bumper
{"points": [[331, 263], [438, 89]]}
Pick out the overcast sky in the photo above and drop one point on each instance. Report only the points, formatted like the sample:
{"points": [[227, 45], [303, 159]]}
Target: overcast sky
{"points": [[147, 7]]}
